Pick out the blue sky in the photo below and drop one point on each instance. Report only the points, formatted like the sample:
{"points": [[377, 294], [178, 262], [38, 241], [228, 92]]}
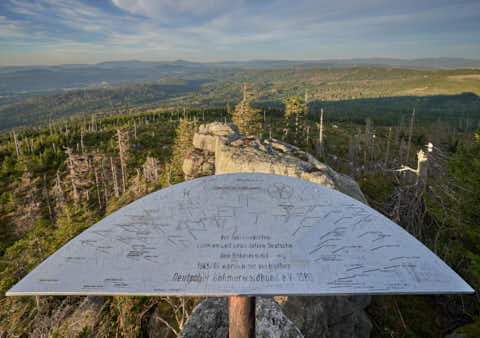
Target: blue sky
{"points": [[89, 31]]}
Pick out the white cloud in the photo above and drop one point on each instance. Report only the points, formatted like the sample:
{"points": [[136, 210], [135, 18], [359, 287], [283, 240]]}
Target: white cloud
{"points": [[223, 28], [166, 8], [17, 29]]}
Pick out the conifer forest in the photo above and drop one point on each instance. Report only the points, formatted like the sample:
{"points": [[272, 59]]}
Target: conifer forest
{"points": [[409, 137]]}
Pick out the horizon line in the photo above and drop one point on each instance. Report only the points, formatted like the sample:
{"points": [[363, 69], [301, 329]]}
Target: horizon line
{"points": [[306, 60]]}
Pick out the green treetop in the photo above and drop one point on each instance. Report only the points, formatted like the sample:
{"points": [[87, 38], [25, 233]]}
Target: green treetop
{"points": [[182, 143], [247, 118], [295, 121]]}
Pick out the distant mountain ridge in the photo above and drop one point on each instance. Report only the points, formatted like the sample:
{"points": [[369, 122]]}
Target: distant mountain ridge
{"points": [[431, 63], [16, 80]]}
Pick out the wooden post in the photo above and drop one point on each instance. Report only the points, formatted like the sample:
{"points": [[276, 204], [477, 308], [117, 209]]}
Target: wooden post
{"points": [[241, 317]]}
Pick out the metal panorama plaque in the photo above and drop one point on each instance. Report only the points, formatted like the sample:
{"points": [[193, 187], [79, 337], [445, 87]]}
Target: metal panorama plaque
{"points": [[243, 234]]}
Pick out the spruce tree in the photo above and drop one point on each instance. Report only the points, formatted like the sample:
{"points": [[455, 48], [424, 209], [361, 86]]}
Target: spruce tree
{"points": [[247, 118], [295, 121], [183, 144], [454, 202]]}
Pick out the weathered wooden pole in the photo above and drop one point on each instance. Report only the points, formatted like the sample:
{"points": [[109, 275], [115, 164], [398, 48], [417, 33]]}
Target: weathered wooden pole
{"points": [[241, 317]]}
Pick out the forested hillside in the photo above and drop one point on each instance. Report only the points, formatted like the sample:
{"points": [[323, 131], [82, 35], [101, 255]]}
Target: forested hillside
{"points": [[59, 179], [35, 80], [376, 92]]}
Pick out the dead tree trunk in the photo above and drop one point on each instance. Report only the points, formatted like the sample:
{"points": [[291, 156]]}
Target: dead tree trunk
{"points": [[123, 146], [58, 192], [422, 165], [401, 150], [320, 135], [351, 150], [410, 131], [368, 139], [46, 196], [104, 184], [17, 146], [97, 183], [114, 177], [81, 142], [387, 152]]}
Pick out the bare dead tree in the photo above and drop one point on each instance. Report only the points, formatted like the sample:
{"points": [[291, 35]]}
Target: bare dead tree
{"points": [[401, 150], [31, 202], [368, 138], [320, 135], [351, 150], [78, 170], [387, 152], [123, 147], [93, 124], [137, 181], [103, 175], [114, 178], [46, 197], [32, 146], [151, 169], [97, 184], [410, 131], [81, 141], [422, 165], [58, 191], [17, 146]]}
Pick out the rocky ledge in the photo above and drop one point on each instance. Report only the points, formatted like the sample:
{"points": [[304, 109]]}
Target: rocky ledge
{"points": [[221, 149]]}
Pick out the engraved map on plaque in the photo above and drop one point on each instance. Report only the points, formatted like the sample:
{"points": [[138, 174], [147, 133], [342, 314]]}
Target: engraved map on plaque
{"points": [[243, 234]]}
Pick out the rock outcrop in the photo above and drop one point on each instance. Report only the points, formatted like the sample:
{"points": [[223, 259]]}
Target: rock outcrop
{"points": [[221, 149], [328, 316], [210, 320]]}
